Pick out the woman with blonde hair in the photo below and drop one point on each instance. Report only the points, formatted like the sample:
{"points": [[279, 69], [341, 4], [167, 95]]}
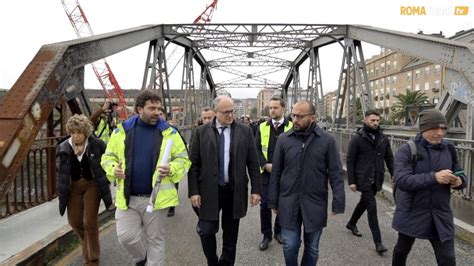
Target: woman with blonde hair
{"points": [[82, 183]]}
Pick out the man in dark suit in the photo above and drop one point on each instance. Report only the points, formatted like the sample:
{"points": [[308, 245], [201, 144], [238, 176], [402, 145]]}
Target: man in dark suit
{"points": [[223, 153]]}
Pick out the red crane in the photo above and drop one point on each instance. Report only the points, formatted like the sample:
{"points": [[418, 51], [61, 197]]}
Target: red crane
{"points": [[206, 16], [101, 68]]}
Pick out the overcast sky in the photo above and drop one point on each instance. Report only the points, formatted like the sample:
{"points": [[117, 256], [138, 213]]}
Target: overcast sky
{"points": [[27, 24]]}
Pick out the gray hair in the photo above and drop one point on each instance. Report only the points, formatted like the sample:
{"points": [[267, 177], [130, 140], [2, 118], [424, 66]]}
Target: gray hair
{"points": [[218, 99]]}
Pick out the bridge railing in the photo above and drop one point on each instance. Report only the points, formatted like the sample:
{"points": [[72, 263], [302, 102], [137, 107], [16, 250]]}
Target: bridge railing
{"points": [[35, 182], [464, 151]]}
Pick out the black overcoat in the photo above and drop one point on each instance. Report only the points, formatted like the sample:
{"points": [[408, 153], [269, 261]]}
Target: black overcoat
{"points": [[365, 160], [423, 205], [300, 176], [203, 174]]}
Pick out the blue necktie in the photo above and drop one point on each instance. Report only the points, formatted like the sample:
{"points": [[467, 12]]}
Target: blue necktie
{"points": [[221, 157]]}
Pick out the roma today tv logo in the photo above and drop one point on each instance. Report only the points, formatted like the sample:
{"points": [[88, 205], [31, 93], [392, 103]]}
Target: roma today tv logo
{"points": [[407, 9]]}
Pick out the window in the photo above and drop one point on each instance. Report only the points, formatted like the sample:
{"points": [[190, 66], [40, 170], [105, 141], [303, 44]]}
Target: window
{"points": [[427, 86], [408, 88], [382, 67], [394, 92], [417, 74], [417, 87], [408, 76], [437, 69], [389, 65], [394, 64], [437, 84], [382, 83], [371, 84], [376, 83], [435, 100], [376, 71], [394, 79], [427, 71]]}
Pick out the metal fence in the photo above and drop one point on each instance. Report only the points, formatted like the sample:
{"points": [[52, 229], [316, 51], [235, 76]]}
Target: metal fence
{"points": [[464, 150], [35, 182]]}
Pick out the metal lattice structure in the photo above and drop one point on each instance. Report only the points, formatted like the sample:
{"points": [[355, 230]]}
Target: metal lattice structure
{"points": [[55, 75], [101, 68]]}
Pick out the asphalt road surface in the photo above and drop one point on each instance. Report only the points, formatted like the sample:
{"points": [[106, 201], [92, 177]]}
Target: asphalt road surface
{"points": [[337, 247]]}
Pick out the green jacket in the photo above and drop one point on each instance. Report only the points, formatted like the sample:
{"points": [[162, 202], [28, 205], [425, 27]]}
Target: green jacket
{"points": [[103, 131], [120, 149]]}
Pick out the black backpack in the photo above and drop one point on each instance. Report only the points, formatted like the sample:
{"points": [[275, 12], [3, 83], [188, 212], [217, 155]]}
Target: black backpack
{"points": [[415, 157]]}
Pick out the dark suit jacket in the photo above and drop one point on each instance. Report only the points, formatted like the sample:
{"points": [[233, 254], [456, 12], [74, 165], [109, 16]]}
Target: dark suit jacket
{"points": [[203, 178]]}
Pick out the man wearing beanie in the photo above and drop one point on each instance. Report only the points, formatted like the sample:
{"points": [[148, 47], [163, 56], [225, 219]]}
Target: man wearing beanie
{"points": [[368, 149], [424, 191]]}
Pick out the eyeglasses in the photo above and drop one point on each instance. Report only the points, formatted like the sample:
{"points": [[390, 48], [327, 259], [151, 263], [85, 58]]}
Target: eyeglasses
{"points": [[230, 112], [296, 116]]}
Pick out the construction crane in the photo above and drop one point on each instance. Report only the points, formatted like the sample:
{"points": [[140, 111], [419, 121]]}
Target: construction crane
{"points": [[206, 16], [101, 68]]}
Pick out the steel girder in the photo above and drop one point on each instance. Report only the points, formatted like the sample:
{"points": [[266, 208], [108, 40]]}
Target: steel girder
{"points": [[353, 83], [457, 57], [452, 54], [42, 85], [155, 76]]}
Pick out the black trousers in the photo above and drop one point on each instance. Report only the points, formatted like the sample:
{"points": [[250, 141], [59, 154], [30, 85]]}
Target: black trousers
{"points": [[367, 202], [444, 251], [230, 231], [265, 212]]}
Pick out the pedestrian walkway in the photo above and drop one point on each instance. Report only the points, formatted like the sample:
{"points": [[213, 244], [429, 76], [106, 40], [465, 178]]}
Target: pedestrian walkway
{"points": [[24, 234], [338, 246]]}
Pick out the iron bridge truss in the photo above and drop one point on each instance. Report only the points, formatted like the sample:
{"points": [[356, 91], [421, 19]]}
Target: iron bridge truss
{"points": [[54, 79]]}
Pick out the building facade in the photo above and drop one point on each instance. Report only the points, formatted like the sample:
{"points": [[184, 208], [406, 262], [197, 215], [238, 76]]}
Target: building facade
{"points": [[263, 98]]}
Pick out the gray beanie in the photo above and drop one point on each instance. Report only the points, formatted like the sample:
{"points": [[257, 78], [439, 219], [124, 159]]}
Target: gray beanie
{"points": [[430, 119]]}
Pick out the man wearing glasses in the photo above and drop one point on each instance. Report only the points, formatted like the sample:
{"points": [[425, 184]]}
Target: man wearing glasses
{"points": [[223, 153], [424, 180], [305, 160]]}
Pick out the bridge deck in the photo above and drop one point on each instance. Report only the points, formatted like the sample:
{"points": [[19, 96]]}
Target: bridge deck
{"points": [[338, 246]]}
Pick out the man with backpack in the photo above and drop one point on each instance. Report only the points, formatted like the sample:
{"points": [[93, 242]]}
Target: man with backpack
{"points": [[368, 150], [424, 178]]}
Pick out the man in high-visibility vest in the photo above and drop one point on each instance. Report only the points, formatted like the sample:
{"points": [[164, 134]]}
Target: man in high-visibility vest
{"points": [[266, 138], [133, 159], [103, 121]]}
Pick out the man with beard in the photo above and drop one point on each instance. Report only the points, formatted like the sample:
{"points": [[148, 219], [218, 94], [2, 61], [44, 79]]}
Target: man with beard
{"points": [[368, 149], [305, 160], [266, 138], [133, 159]]}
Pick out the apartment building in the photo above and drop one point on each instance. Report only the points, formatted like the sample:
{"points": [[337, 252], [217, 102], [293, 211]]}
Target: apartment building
{"points": [[263, 98]]}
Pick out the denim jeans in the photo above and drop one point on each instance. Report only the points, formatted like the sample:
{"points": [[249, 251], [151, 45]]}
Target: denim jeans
{"points": [[291, 246]]}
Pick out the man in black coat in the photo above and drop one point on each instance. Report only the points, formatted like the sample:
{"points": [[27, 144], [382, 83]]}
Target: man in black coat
{"points": [[424, 191], [368, 149], [223, 153], [305, 160]]}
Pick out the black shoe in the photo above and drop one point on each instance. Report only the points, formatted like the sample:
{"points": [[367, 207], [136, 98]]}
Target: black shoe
{"points": [[141, 263], [264, 244], [380, 248], [354, 230], [170, 212], [278, 238]]}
